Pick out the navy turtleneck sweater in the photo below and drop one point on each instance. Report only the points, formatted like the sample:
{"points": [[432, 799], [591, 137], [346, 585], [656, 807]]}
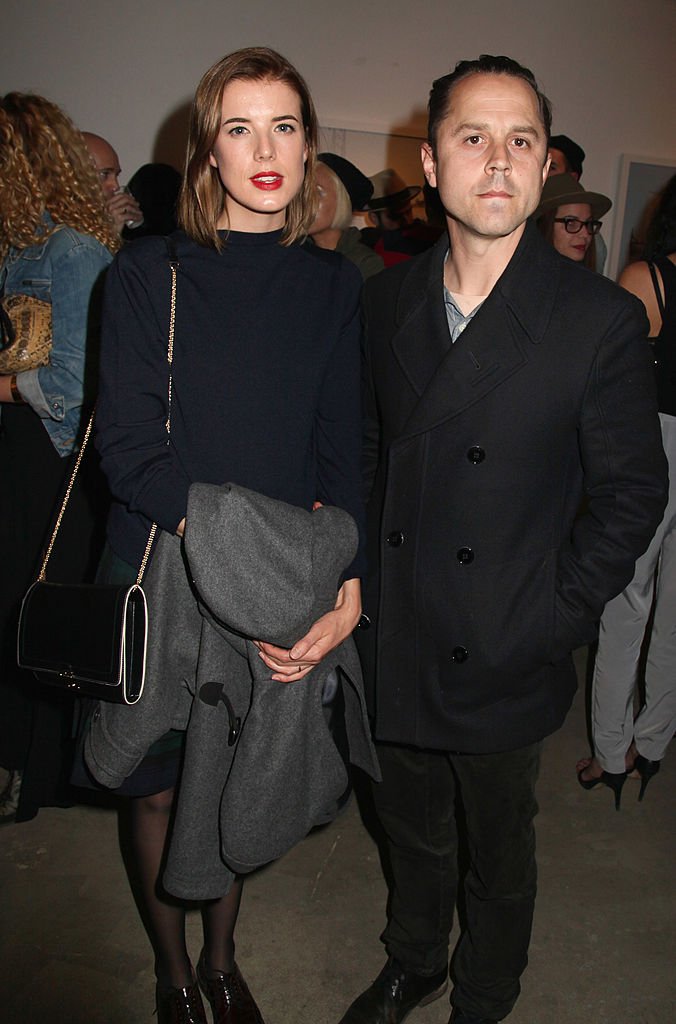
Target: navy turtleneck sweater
{"points": [[265, 380]]}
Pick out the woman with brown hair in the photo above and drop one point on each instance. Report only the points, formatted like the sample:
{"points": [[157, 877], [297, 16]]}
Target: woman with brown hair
{"points": [[55, 240], [569, 218], [265, 394]]}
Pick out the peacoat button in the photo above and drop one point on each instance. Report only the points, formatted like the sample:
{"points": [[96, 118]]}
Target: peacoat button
{"points": [[395, 539], [476, 454], [364, 621], [465, 556], [459, 654]]}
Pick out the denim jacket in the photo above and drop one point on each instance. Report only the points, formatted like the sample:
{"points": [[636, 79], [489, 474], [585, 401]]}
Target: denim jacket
{"points": [[62, 270]]}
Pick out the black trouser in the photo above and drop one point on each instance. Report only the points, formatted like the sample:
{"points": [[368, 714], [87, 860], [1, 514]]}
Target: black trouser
{"points": [[416, 805]]}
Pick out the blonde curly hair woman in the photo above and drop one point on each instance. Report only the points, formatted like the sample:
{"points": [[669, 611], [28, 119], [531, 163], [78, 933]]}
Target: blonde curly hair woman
{"points": [[55, 240]]}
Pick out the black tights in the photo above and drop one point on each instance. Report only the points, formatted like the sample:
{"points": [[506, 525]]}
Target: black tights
{"points": [[162, 916]]}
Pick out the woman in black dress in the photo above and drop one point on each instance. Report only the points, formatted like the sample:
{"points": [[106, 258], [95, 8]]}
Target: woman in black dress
{"points": [[265, 394]]}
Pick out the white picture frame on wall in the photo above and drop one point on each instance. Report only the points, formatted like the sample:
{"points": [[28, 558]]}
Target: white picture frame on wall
{"points": [[641, 180]]}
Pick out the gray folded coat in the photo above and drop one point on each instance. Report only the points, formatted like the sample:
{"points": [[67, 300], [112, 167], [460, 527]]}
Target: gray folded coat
{"points": [[261, 764]]}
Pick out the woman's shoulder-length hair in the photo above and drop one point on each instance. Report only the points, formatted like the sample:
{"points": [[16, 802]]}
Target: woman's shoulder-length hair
{"points": [[202, 197]]}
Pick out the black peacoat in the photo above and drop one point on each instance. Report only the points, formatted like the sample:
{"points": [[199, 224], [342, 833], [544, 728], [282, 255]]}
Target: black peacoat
{"points": [[514, 479]]}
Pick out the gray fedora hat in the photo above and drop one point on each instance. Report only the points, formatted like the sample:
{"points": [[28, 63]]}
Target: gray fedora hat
{"points": [[561, 189]]}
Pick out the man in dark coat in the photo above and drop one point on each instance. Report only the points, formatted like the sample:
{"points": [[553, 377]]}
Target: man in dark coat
{"points": [[504, 384]]}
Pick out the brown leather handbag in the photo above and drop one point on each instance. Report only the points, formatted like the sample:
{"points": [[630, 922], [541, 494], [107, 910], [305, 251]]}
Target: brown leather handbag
{"points": [[25, 333]]}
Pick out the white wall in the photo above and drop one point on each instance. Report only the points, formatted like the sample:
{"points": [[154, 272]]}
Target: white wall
{"points": [[128, 69]]}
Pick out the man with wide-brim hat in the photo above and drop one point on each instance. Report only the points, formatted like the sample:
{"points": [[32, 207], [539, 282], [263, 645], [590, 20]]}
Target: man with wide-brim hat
{"points": [[395, 235], [391, 193]]}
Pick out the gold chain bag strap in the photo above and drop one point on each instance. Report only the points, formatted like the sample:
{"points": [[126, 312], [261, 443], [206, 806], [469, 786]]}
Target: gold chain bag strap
{"points": [[92, 638]]}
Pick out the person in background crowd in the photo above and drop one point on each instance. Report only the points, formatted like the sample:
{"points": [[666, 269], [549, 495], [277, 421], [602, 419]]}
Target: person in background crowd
{"points": [[56, 239], [623, 743], [155, 187], [566, 157], [358, 186], [569, 218], [331, 228], [394, 234], [122, 206], [502, 385]]}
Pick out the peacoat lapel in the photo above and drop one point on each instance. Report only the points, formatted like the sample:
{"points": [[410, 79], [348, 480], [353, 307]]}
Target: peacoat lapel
{"points": [[449, 378]]}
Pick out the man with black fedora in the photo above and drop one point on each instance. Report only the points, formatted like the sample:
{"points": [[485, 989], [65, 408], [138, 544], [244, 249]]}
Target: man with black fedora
{"points": [[503, 383], [396, 236]]}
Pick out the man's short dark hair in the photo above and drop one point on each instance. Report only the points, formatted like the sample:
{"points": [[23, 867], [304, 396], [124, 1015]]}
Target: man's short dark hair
{"points": [[486, 65]]}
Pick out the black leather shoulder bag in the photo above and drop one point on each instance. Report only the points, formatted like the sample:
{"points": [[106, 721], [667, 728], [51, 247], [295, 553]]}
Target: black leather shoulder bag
{"points": [[91, 639]]}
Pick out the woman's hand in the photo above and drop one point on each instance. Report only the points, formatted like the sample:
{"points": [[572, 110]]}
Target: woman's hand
{"points": [[327, 632]]}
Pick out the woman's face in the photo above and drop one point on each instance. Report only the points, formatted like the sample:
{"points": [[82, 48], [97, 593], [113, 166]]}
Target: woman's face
{"points": [[573, 246], [326, 209], [260, 153]]}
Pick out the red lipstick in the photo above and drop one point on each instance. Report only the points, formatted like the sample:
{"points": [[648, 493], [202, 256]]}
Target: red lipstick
{"points": [[267, 181]]}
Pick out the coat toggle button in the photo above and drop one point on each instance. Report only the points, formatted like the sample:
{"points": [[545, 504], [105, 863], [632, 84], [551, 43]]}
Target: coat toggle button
{"points": [[476, 454]]}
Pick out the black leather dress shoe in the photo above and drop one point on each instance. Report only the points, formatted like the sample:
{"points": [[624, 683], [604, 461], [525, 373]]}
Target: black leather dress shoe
{"points": [[229, 996], [393, 995], [180, 1006]]}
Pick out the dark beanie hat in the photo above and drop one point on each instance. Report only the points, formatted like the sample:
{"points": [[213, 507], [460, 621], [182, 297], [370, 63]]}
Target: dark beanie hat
{"points": [[357, 185], [573, 153]]}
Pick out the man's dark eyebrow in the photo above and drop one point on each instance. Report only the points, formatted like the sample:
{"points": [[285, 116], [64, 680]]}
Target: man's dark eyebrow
{"points": [[247, 120], [473, 126]]}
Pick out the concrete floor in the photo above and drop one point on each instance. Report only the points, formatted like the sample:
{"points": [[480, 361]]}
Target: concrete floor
{"points": [[73, 950]]}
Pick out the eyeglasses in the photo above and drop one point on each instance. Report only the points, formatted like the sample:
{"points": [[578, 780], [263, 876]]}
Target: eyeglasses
{"points": [[574, 225]]}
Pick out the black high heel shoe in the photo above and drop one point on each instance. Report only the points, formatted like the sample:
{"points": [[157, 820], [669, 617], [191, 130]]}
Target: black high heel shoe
{"points": [[646, 770], [615, 780]]}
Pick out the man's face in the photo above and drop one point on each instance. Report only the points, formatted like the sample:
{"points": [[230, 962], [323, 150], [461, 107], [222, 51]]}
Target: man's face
{"points": [[106, 161], [491, 157], [558, 164]]}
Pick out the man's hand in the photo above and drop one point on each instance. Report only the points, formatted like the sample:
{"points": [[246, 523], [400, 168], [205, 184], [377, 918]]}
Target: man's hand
{"points": [[327, 632], [124, 209]]}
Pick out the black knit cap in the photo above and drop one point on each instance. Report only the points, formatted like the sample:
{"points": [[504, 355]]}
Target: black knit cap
{"points": [[357, 185], [573, 153]]}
